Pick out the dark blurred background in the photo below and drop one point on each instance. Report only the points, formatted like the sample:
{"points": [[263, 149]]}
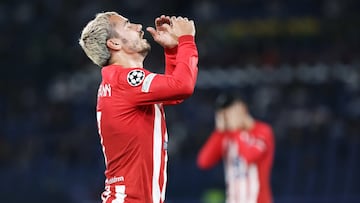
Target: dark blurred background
{"points": [[297, 62]]}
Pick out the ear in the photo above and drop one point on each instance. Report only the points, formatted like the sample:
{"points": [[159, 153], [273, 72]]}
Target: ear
{"points": [[113, 44]]}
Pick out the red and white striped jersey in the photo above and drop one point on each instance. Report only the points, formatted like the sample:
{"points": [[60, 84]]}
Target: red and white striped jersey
{"points": [[248, 158], [131, 123]]}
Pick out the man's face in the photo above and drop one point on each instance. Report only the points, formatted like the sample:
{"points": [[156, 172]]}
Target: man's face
{"points": [[130, 35]]}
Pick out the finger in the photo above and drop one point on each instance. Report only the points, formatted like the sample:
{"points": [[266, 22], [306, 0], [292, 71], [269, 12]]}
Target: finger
{"points": [[166, 27], [162, 20], [157, 21], [165, 20], [152, 31], [172, 20], [168, 19]]}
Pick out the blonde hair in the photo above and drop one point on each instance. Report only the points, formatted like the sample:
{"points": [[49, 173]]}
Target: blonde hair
{"points": [[94, 36]]}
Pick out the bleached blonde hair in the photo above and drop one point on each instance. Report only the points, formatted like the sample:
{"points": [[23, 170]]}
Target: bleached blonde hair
{"points": [[94, 36]]}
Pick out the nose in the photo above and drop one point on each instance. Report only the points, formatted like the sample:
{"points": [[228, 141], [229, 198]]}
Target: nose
{"points": [[139, 27]]}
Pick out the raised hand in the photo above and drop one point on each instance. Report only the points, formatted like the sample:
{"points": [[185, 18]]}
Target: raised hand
{"points": [[220, 124], [234, 117], [182, 26], [163, 32]]}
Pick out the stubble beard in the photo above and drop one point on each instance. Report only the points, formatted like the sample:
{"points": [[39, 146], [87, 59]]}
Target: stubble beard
{"points": [[145, 48], [141, 46]]}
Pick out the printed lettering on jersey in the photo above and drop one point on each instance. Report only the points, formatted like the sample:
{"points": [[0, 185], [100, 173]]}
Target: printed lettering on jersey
{"points": [[114, 179], [104, 90], [135, 77], [253, 141]]}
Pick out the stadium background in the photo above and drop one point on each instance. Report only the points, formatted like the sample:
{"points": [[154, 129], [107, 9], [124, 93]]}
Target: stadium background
{"points": [[296, 63]]}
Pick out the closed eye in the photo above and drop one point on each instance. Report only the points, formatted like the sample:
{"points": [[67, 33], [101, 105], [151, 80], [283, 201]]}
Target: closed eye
{"points": [[127, 22]]}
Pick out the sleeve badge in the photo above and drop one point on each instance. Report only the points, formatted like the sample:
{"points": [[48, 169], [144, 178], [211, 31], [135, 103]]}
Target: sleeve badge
{"points": [[135, 77]]}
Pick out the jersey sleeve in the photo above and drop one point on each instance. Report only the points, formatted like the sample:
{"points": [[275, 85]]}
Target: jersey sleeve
{"points": [[177, 84], [253, 145], [170, 64], [211, 153], [170, 60]]}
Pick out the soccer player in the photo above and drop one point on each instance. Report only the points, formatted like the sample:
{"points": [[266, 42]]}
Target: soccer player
{"points": [[130, 114], [247, 147]]}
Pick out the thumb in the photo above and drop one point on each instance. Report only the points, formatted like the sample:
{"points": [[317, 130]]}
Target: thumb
{"points": [[152, 31], [166, 27]]}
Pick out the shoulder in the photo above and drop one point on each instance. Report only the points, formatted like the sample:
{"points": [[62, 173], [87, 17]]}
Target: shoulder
{"points": [[132, 77], [263, 128], [262, 125], [264, 132]]}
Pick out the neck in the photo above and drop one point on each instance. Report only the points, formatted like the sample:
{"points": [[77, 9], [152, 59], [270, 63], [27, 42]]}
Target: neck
{"points": [[127, 60]]}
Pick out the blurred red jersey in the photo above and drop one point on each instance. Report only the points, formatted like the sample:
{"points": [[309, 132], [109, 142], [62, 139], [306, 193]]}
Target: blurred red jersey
{"points": [[131, 123], [248, 158]]}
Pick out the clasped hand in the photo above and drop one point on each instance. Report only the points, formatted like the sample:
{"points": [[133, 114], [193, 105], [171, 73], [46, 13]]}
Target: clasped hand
{"points": [[168, 29]]}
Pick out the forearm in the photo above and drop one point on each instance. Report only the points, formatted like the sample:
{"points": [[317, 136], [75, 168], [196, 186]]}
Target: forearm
{"points": [[180, 84], [210, 154], [187, 57], [181, 81], [170, 60], [170, 64], [250, 147]]}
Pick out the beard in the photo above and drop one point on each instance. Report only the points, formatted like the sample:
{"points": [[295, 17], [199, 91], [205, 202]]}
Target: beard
{"points": [[145, 48], [140, 46]]}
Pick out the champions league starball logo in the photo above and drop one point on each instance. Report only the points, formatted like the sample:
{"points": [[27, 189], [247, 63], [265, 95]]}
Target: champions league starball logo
{"points": [[135, 77]]}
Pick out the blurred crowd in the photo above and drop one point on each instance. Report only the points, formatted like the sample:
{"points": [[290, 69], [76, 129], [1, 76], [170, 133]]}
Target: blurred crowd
{"points": [[297, 63]]}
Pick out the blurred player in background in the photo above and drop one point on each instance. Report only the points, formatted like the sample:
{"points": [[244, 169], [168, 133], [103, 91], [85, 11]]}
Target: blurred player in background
{"points": [[247, 147], [130, 114]]}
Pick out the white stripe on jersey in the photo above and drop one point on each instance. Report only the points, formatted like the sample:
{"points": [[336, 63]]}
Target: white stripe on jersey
{"points": [[165, 173], [253, 176], [241, 183], [106, 194], [242, 179], [98, 118], [147, 82], [119, 194], [156, 155]]}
